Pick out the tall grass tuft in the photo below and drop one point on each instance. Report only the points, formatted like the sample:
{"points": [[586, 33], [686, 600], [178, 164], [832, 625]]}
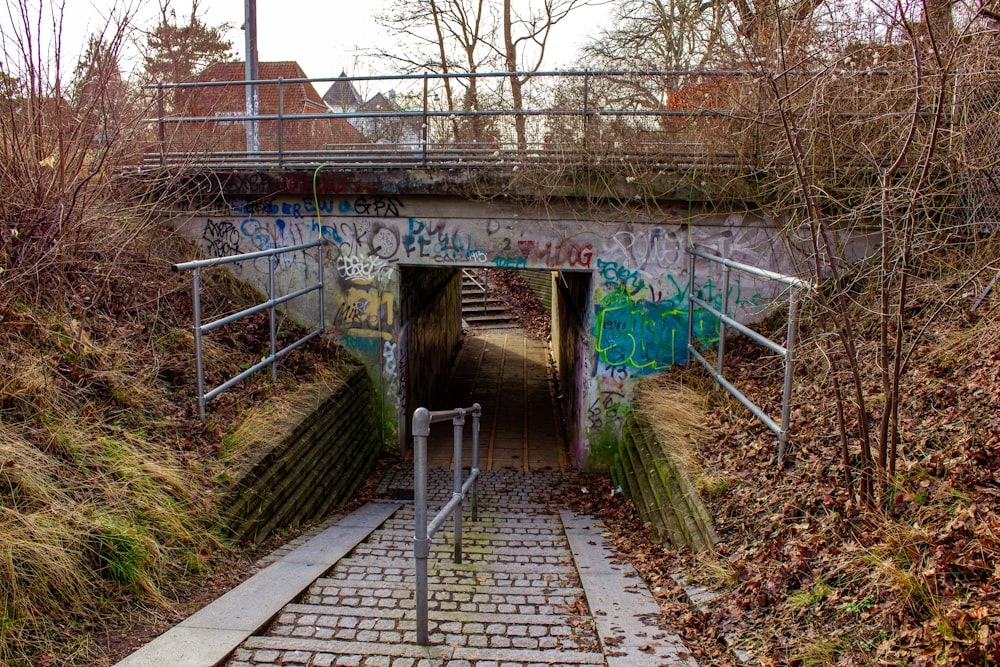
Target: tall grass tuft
{"points": [[676, 413]]}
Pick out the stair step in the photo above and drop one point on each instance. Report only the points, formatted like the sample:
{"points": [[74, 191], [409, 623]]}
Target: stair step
{"points": [[408, 649], [362, 588], [407, 616]]}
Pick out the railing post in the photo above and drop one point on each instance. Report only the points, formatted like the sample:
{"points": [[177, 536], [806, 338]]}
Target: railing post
{"points": [[273, 324], [725, 311], [321, 258], [786, 395], [421, 543], [199, 366], [424, 128], [690, 293], [586, 111], [477, 410], [281, 126], [458, 423], [161, 130]]}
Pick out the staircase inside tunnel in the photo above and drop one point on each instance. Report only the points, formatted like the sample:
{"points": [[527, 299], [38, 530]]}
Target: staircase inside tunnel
{"points": [[508, 370]]}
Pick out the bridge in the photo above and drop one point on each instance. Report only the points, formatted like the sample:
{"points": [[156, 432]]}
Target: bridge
{"points": [[598, 184], [657, 120], [598, 181]]}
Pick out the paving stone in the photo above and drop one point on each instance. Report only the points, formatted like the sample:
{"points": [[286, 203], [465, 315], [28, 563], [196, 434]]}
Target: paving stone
{"points": [[507, 604]]}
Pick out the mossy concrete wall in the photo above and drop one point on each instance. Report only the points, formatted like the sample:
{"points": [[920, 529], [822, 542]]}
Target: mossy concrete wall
{"points": [[569, 332], [661, 492], [316, 467], [540, 283]]}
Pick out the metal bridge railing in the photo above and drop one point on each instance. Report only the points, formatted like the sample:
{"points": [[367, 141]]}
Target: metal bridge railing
{"points": [[423, 532], [270, 305], [787, 351], [467, 120]]}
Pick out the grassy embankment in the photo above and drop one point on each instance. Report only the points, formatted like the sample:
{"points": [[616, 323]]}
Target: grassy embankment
{"points": [[807, 574], [108, 480]]}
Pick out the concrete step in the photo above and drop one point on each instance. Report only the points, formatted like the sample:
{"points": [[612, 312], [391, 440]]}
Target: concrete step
{"points": [[283, 650], [331, 616], [444, 567]]}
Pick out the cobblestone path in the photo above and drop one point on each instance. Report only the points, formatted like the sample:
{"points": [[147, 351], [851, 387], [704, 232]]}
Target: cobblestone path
{"points": [[516, 599]]}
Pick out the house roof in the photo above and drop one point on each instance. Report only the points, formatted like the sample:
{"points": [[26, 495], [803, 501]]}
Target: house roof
{"points": [[343, 94], [297, 98], [379, 102]]}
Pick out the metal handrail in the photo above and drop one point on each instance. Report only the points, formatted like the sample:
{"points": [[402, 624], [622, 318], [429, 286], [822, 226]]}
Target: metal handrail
{"points": [[270, 305], [423, 531], [567, 110], [786, 352]]}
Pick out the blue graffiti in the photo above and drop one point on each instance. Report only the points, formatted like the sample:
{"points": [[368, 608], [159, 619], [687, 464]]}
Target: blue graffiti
{"points": [[510, 262], [644, 335], [615, 275], [255, 230], [362, 344], [328, 232], [431, 241]]}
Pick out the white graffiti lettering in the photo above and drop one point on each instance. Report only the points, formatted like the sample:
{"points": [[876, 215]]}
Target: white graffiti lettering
{"points": [[353, 267]]}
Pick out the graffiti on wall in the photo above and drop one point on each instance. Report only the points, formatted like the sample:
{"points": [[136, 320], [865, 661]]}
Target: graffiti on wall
{"points": [[636, 323], [649, 333], [306, 207], [222, 238], [655, 247], [640, 334], [437, 242]]}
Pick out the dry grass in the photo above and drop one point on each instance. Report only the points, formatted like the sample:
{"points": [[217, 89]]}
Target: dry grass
{"points": [[108, 482], [267, 423], [676, 413]]}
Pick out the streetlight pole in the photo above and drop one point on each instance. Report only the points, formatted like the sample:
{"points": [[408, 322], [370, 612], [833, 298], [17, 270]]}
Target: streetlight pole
{"points": [[252, 74]]}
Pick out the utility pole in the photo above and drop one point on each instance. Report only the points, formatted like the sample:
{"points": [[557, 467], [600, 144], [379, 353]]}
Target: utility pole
{"points": [[252, 75]]}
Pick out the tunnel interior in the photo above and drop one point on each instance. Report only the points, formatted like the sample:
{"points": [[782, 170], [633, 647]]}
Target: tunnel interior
{"points": [[529, 388]]}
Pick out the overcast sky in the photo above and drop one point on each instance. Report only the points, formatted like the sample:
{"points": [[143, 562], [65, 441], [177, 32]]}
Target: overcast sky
{"points": [[324, 36]]}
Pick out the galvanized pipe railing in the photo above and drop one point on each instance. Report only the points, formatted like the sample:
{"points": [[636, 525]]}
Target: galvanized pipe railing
{"points": [[786, 351], [270, 305], [423, 531]]}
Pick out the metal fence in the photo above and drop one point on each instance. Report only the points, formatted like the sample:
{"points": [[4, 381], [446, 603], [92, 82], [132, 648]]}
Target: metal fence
{"points": [[270, 305], [423, 531], [786, 352], [451, 120]]}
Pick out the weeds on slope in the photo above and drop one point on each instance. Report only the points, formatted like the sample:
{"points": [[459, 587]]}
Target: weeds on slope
{"points": [[808, 577]]}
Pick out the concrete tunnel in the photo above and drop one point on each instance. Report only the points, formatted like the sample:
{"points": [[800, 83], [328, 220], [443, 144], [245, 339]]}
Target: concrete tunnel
{"points": [[392, 264]]}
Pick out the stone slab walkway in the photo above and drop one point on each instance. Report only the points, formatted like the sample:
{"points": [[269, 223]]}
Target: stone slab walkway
{"points": [[210, 635]]}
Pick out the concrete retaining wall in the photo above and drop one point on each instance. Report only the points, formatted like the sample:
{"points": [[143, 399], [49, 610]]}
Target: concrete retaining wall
{"points": [[540, 283], [431, 318], [314, 469], [661, 493]]}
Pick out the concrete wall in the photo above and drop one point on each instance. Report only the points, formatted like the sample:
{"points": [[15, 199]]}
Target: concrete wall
{"points": [[540, 283], [634, 320], [570, 293]]}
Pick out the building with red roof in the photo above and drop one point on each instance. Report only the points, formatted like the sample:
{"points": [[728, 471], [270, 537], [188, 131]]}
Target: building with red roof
{"points": [[216, 114]]}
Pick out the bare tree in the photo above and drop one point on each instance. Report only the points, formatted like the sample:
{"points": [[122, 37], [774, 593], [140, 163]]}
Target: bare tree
{"points": [[662, 35], [853, 136], [526, 35], [447, 37], [472, 36]]}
